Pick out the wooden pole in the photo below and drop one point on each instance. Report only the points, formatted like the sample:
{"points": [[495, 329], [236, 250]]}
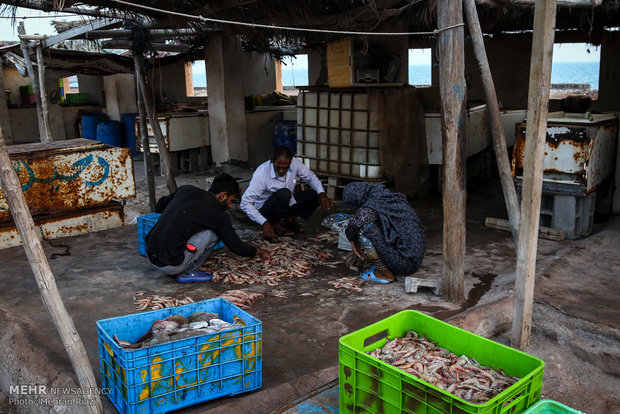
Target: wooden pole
{"points": [[452, 89], [164, 156], [146, 149], [497, 130], [536, 129], [45, 279], [44, 107], [33, 82]]}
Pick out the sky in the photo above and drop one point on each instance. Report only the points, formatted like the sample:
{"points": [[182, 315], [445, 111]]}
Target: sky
{"points": [[33, 25]]}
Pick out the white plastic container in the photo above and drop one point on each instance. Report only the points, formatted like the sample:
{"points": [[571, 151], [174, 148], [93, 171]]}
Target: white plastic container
{"points": [[336, 134]]}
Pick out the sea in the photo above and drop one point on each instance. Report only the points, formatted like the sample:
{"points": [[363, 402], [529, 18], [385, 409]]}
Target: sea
{"points": [[561, 72]]}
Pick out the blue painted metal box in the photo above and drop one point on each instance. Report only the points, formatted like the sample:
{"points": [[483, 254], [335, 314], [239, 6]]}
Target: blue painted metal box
{"points": [[179, 373]]}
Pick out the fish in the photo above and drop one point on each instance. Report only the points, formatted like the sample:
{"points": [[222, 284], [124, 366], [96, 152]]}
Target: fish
{"points": [[461, 376], [290, 259], [158, 302], [170, 329], [242, 299]]}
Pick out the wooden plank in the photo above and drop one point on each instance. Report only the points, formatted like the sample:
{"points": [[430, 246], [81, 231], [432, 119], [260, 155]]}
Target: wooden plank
{"points": [[146, 149], [537, 111], [33, 81], [78, 31], [44, 107], [45, 279], [495, 120], [453, 91], [164, 155], [548, 233], [339, 63]]}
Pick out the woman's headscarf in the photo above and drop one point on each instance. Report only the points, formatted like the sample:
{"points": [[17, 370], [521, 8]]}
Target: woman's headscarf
{"points": [[400, 224]]}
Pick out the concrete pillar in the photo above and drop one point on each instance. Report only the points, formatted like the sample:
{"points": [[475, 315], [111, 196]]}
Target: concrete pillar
{"points": [[225, 95]]}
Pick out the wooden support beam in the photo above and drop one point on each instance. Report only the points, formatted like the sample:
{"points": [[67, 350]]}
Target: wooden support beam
{"points": [[494, 117], [453, 91], [77, 31], [535, 135], [128, 34], [164, 155], [45, 279], [146, 148], [158, 47], [45, 114], [33, 82]]}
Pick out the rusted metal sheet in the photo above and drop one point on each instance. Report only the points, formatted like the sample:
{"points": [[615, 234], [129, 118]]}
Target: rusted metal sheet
{"points": [[70, 175], [68, 224], [579, 150]]}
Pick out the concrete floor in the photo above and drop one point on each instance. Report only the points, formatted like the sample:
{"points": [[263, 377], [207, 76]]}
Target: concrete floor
{"points": [[576, 323]]}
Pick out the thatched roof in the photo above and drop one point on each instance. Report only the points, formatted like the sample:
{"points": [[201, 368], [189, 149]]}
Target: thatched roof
{"points": [[400, 16]]}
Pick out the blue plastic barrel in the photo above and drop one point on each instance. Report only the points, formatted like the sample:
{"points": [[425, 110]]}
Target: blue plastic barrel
{"points": [[89, 124], [285, 134], [129, 130], [110, 133]]}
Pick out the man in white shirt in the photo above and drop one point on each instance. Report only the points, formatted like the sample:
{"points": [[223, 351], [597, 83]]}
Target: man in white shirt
{"points": [[269, 199]]}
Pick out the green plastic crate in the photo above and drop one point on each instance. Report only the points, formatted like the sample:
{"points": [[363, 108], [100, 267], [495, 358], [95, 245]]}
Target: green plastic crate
{"points": [[551, 407], [368, 385]]}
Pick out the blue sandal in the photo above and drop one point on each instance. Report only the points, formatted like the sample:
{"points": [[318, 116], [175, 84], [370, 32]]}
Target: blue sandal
{"points": [[196, 276], [370, 276]]}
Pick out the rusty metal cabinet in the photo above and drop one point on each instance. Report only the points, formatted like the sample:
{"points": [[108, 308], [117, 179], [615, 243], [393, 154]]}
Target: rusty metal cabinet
{"points": [[579, 152], [71, 187]]}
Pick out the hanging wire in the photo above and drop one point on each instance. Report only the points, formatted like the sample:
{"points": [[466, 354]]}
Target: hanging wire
{"points": [[275, 27]]}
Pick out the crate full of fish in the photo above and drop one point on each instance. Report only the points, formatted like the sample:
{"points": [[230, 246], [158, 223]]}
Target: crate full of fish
{"points": [[413, 363], [162, 360]]}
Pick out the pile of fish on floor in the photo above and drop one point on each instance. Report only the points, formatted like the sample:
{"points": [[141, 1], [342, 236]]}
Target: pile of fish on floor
{"points": [[461, 376], [290, 258], [176, 327]]}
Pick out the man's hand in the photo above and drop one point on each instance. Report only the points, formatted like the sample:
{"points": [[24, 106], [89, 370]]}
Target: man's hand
{"points": [[268, 232], [359, 252], [262, 254], [325, 202]]}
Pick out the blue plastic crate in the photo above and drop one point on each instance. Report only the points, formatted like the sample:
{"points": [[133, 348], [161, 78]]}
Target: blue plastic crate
{"points": [[180, 373], [145, 224]]}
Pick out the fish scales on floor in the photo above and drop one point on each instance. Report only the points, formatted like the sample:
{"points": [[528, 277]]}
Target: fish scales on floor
{"points": [[461, 376], [176, 327], [289, 259]]}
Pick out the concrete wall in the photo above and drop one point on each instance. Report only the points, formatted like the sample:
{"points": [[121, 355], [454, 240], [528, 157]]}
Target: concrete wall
{"points": [[259, 75], [93, 86], [170, 80], [609, 78], [120, 95], [260, 129], [317, 67], [509, 60]]}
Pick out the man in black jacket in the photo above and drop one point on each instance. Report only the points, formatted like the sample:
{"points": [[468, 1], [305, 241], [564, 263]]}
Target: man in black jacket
{"points": [[192, 222]]}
